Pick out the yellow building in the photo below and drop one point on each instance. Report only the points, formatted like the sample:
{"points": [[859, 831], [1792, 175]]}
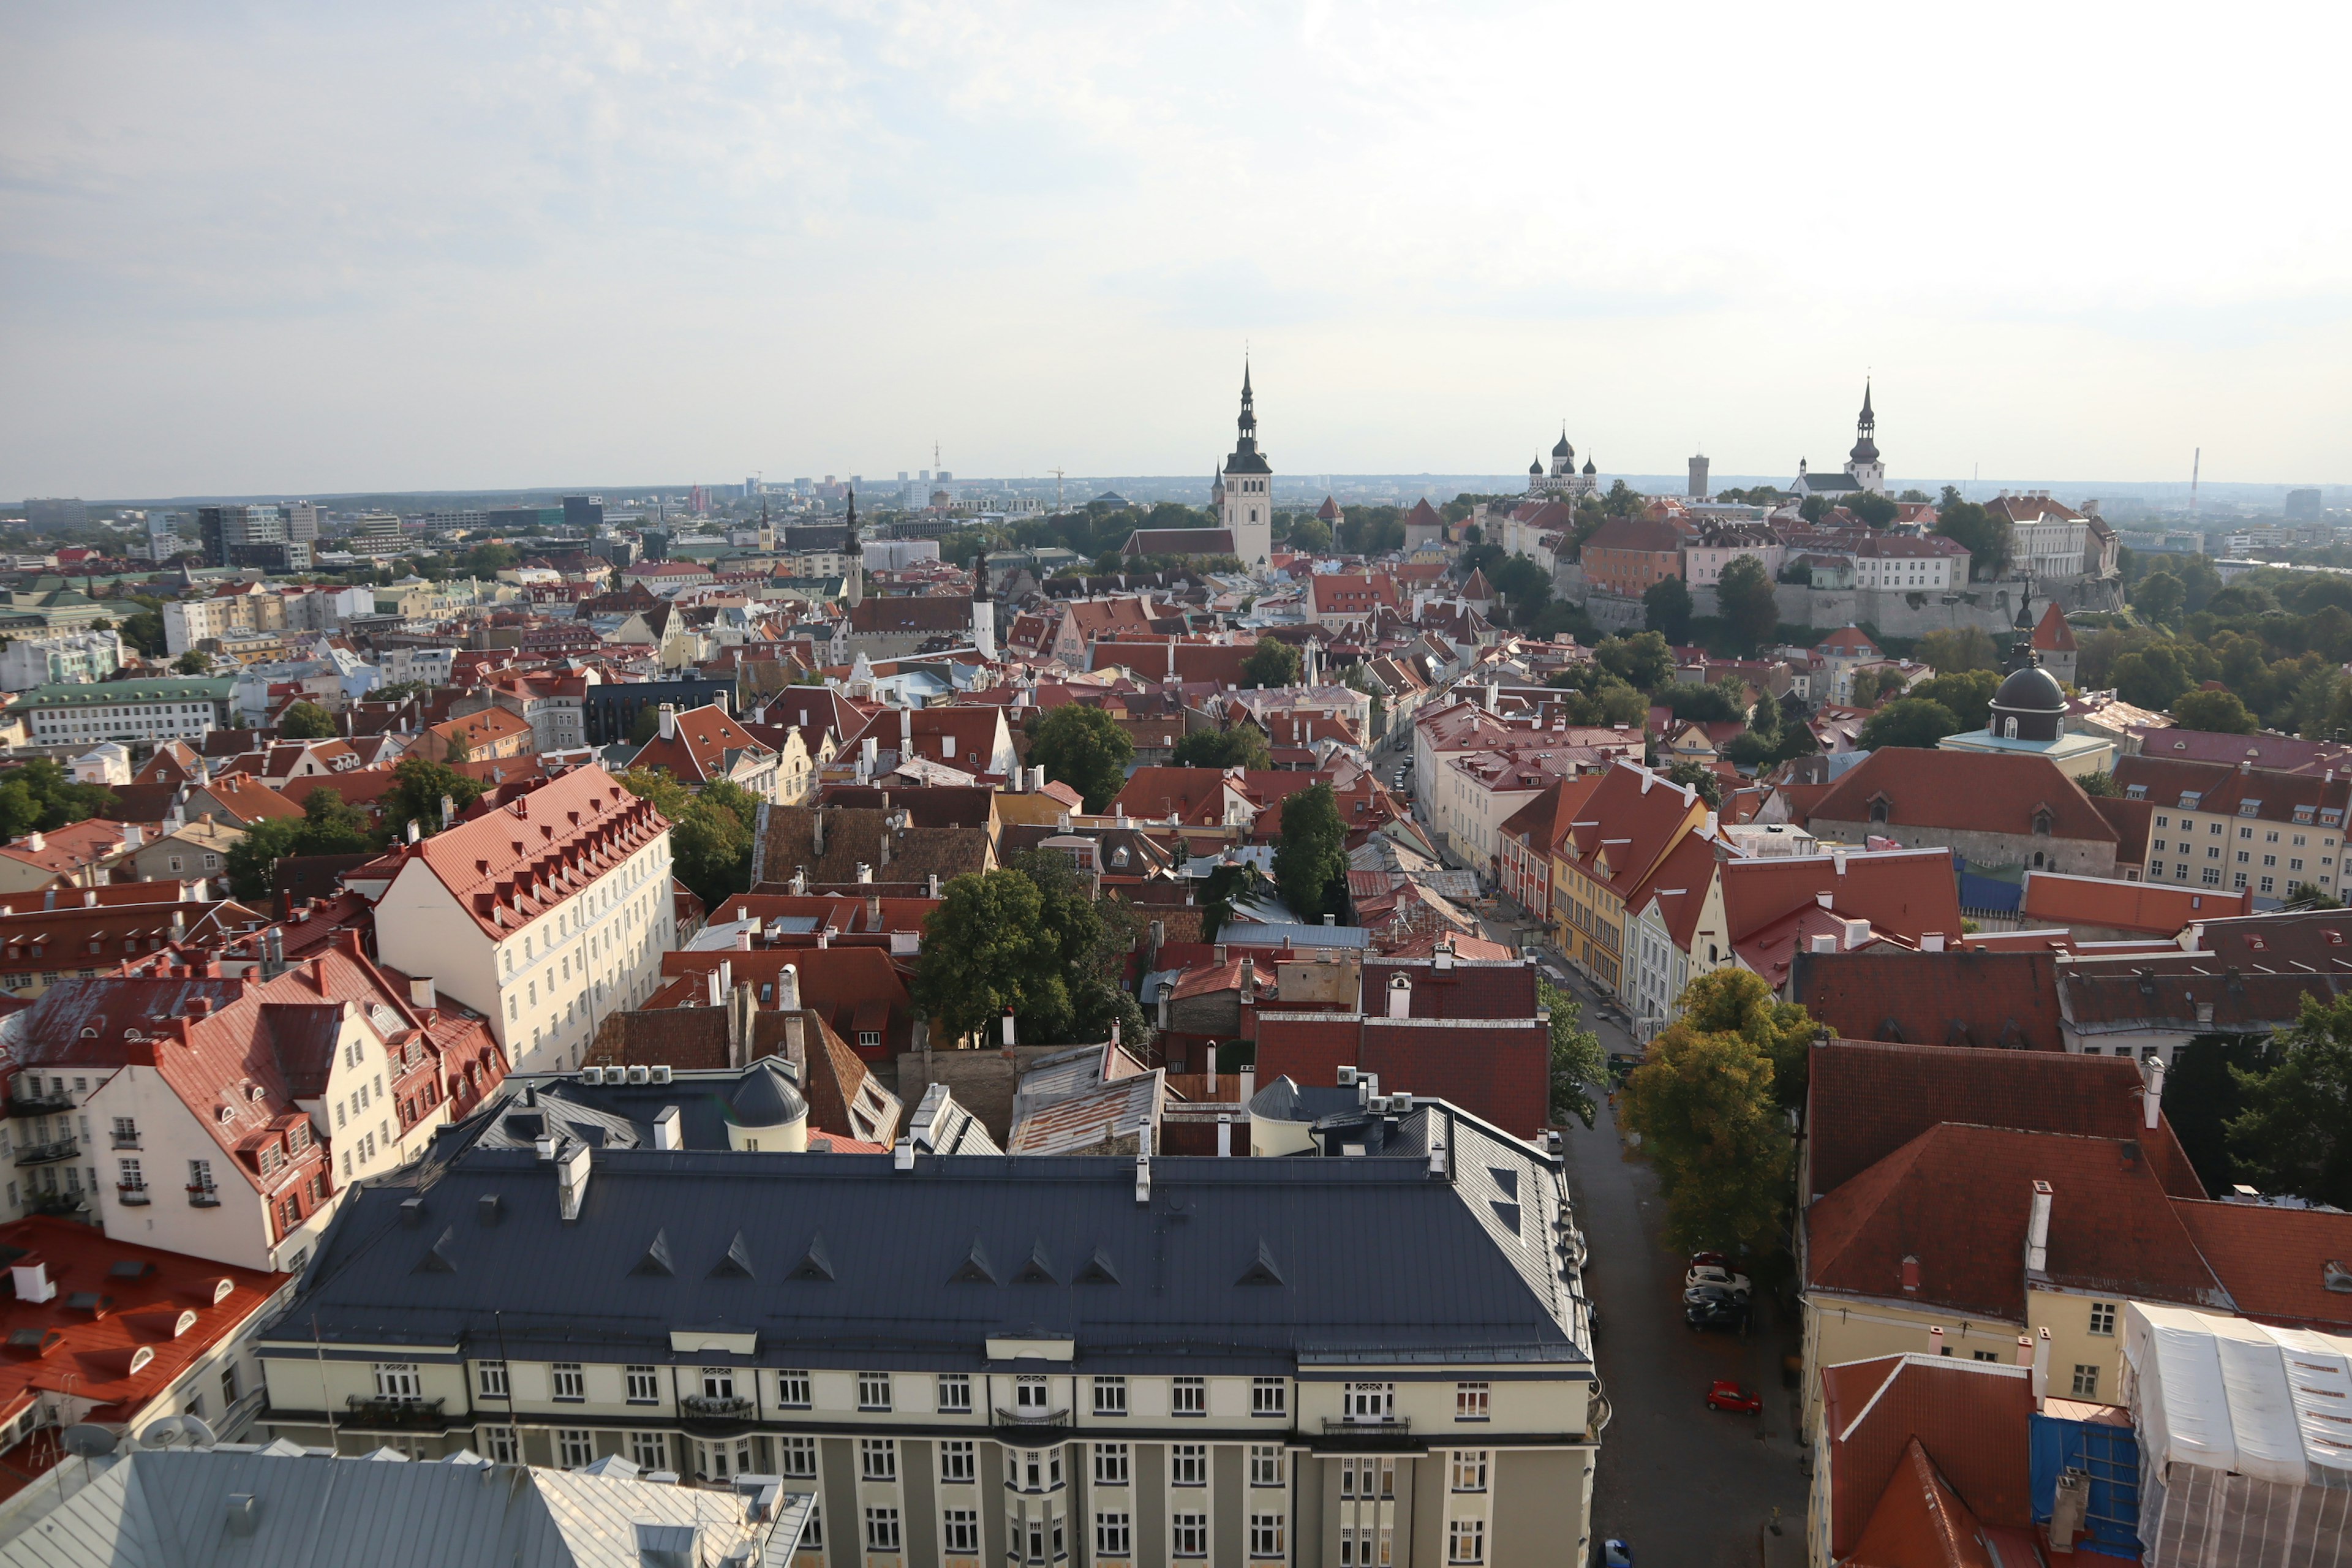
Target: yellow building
{"points": [[1630, 824]]}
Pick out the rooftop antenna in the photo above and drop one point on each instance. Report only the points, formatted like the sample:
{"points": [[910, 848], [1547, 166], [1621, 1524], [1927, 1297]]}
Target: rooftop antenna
{"points": [[2195, 464], [1057, 488]]}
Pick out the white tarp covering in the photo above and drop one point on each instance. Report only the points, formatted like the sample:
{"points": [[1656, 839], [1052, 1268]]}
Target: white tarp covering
{"points": [[2245, 1436]]}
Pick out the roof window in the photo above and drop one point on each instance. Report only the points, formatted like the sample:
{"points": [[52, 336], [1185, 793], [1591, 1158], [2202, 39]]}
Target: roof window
{"points": [[2135, 791], [2250, 809], [2189, 800], [2303, 814]]}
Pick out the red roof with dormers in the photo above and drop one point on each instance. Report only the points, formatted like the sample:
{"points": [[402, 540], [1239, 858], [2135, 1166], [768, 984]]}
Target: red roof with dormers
{"points": [[1627, 824], [696, 752], [1350, 593], [1847, 642], [508, 864], [1903, 893]]}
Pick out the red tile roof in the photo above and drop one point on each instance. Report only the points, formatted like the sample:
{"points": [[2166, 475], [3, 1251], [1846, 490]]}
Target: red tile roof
{"points": [[2274, 1261], [1974, 1416], [1904, 893], [1963, 792], [1543, 823], [2050, 634], [2148, 909], [2006, 1001], [2256, 794], [1865, 1098], [695, 753], [1957, 1198]]}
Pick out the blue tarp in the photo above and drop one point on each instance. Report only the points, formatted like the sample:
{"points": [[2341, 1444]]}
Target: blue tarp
{"points": [[2110, 1456], [1985, 893]]}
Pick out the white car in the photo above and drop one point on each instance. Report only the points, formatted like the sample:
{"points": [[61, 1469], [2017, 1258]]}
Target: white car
{"points": [[1720, 1278]]}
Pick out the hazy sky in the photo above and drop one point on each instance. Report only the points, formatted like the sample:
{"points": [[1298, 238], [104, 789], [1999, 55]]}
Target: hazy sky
{"points": [[280, 247]]}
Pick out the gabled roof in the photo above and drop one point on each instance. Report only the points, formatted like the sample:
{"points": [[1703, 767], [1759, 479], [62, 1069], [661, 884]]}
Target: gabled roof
{"points": [[1904, 893], [2050, 634], [2256, 794], [699, 749], [1639, 534], [1865, 1098], [1957, 1199], [1975, 1418], [1543, 823], [2150, 909], [1963, 790], [1994, 1001], [1847, 642], [1679, 886], [2275, 1262], [1628, 824]]}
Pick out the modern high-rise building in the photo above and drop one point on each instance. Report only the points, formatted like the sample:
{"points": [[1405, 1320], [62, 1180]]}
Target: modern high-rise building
{"points": [[2303, 506], [44, 514], [224, 528], [583, 511], [302, 520]]}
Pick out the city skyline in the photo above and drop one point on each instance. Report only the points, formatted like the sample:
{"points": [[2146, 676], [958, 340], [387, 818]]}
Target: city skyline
{"points": [[444, 248]]}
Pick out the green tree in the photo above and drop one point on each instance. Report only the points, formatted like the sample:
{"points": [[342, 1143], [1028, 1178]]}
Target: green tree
{"points": [[1242, 746], [1525, 584], [416, 791], [987, 948], [2151, 678], [1311, 535], [1967, 693], [1310, 862], [306, 722], [1718, 704], [487, 560], [1875, 510], [2303, 896], [1082, 746], [2219, 711], [1908, 721], [1737, 1001], [1579, 1065], [711, 840], [1743, 596], [1984, 535], [2101, 784], [1094, 937], [2158, 596], [1271, 664], [1642, 660], [1703, 1103], [1667, 608], [1691, 775], [331, 825], [144, 630], [253, 858], [2242, 599], [1622, 499], [192, 663], [2296, 1134], [38, 793], [2201, 1098], [1962, 647]]}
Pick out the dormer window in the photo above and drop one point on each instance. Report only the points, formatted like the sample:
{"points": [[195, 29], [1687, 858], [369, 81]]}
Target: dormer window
{"points": [[2250, 809], [2135, 791], [2041, 820], [1878, 808], [2303, 814], [2333, 816]]}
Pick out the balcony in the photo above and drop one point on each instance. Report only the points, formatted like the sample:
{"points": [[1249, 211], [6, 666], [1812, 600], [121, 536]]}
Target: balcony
{"points": [[204, 1197], [714, 1414], [1394, 1432], [132, 1194], [1029, 1428], [48, 1153], [123, 1140], [38, 1104], [65, 1206], [406, 1414]]}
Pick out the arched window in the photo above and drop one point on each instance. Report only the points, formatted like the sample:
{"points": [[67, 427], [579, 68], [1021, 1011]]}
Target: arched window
{"points": [[2042, 821], [2008, 728], [1878, 809]]}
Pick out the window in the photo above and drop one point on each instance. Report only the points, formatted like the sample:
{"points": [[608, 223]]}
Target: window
{"points": [[1110, 1464], [1266, 1535], [1470, 1401], [1269, 1396], [1465, 1541], [1266, 1465], [959, 1461], [1188, 1465], [2270, 884], [2103, 1317], [649, 1450], [881, 1530], [955, 1394], [1984, 1355], [574, 1447], [1369, 1401], [1114, 1535], [877, 1459], [792, 1390], [2086, 1381], [1110, 1397], [1029, 1396], [570, 1382], [490, 1378], [873, 1390], [1189, 1397], [1188, 1534], [813, 1537], [961, 1530], [2213, 878], [126, 1133], [718, 1383], [644, 1384], [1469, 1470], [398, 1380]]}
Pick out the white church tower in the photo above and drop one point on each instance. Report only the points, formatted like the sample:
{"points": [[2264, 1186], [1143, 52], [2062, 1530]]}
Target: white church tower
{"points": [[1245, 499], [1863, 465]]}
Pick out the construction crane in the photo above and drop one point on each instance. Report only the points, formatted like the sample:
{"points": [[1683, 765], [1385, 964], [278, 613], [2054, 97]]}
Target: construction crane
{"points": [[1057, 488]]}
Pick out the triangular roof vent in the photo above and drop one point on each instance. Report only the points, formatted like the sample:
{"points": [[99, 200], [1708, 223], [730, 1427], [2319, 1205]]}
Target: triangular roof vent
{"points": [[438, 1260], [975, 1269], [1038, 1270], [813, 1263], [737, 1264], [1097, 1270], [656, 1258], [1261, 1270]]}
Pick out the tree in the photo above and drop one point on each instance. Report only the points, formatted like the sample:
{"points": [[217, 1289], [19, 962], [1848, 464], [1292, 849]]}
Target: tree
{"points": [[2151, 676], [2303, 896], [144, 630], [1082, 746], [1705, 704], [710, 840], [1579, 1065], [1743, 596], [2219, 711], [1984, 535], [1622, 499], [2242, 599], [2201, 1098], [38, 793], [2296, 1134], [1962, 647], [487, 560], [2100, 783], [1094, 936], [1703, 1105], [1524, 584], [2158, 596], [1642, 660], [987, 948], [1667, 608], [1909, 721], [1737, 1001], [331, 825], [192, 663], [1243, 746], [418, 786], [1273, 664], [1875, 510], [306, 722], [1691, 775], [1310, 862], [1310, 534], [1967, 693], [252, 860]]}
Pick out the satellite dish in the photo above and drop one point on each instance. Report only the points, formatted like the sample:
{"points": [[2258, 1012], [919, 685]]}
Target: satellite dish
{"points": [[89, 1441], [198, 1431], [164, 1434]]}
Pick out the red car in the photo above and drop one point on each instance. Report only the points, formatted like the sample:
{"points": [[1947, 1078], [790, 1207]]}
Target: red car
{"points": [[1710, 1259], [1732, 1397]]}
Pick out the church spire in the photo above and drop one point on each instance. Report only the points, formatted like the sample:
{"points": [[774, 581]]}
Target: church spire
{"points": [[1248, 420], [855, 551]]}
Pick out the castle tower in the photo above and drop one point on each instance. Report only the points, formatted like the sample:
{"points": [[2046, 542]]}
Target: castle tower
{"points": [[1863, 464], [1248, 509]]}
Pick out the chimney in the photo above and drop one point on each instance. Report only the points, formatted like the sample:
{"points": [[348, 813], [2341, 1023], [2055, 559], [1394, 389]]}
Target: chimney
{"points": [[1932, 942], [1837, 859], [35, 842], [1857, 931], [1008, 1034], [711, 987], [865, 871], [422, 993], [1401, 996], [931, 885], [744, 940], [2152, 1101], [788, 988], [2024, 1352], [2037, 1231], [1143, 1178], [1911, 1274], [902, 1157], [665, 1134], [669, 720], [571, 1180], [30, 1274], [449, 811], [1936, 1340], [2041, 1367]]}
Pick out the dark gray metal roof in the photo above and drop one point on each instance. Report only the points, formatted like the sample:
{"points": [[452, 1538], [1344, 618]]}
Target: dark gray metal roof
{"points": [[1379, 1259], [621, 1115]]}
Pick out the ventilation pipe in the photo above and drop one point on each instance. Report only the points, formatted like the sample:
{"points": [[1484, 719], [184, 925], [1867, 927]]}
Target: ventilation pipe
{"points": [[571, 1180], [665, 1128], [2152, 1103], [669, 720], [1936, 1340], [2037, 1231], [1143, 1178], [2041, 1368], [1401, 996]]}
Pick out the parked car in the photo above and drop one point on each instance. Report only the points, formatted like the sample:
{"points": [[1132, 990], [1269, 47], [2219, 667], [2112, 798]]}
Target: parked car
{"points": [[1732, 1397], [1716, 1273], [1721, 1312], [1715, 1294], [1709, 1261], [1615, 1554]]}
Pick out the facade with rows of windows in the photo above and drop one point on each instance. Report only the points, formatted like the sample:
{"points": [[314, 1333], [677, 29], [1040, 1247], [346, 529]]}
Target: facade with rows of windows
{"points": [[2243, 828], [1005, 1360]]}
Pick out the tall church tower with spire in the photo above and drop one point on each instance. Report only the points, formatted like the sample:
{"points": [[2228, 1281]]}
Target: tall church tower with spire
{"points": [[1863, 465], [852, 553], [1246, 507]]}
